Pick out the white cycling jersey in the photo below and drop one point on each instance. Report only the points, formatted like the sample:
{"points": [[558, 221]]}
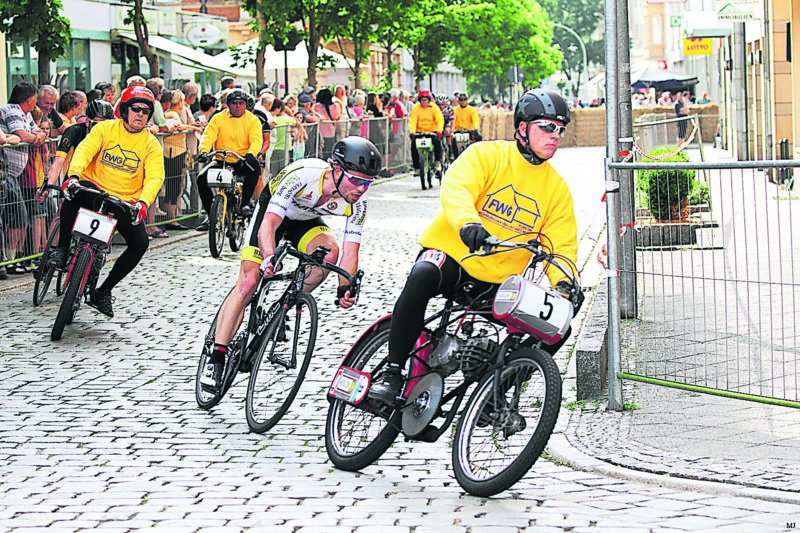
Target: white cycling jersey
{"points": [[295, 192]]}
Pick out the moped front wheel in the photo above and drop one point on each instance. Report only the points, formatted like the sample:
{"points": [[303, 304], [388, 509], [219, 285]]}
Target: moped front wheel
{"points": [[356, 436], [216, 226], [499, 437], [72, 296]]}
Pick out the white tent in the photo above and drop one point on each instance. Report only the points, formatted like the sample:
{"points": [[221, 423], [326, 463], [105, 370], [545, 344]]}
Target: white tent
{"points": [[295, 60]]}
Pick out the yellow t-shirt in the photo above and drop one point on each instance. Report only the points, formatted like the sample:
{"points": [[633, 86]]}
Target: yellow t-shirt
{"points": [[127, 165], [425, 119], [465, 118], [238, 134], [493, 184]]}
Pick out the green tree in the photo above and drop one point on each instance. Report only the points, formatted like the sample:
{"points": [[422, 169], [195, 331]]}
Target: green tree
{"points": [[136, 17], [41, 22], [272, 21], [395, 29], [357, 20], [584, 17], [526, 36]]}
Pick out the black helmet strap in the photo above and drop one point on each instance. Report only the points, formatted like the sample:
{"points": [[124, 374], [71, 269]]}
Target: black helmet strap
{"points": [[525, 147]]}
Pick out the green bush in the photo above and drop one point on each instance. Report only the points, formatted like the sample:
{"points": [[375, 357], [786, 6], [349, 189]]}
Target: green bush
{"points": [[666, 190]]}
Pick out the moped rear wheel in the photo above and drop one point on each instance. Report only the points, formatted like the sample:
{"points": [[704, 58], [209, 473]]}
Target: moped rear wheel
{"points": [[495, 445], [356, 436]]}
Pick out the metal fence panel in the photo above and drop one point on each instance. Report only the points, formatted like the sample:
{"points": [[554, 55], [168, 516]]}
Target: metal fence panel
{"points": [[718, 285]]}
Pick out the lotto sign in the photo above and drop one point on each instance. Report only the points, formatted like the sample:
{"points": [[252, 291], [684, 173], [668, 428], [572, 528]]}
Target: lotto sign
{"points": [[697, 47]]}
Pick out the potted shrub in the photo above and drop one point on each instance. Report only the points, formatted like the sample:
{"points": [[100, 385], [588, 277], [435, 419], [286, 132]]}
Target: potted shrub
{"points": [[667, 191]]}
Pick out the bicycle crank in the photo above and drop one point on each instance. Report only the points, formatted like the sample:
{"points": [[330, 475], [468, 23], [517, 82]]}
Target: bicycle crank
{"points": [[422, 404]]}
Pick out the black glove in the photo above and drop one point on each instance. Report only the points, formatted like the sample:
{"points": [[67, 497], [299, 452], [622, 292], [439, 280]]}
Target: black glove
{"points": [[473, 235], [575, 296], [341, 290], [203, 158], [251, 161]]}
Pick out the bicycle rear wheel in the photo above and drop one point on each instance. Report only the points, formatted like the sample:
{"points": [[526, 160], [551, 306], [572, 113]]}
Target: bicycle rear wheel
{"points": [[216, 226], [496, 445], [44, 275], [72, 296], [207, 399], [355, 436], [281, 364]]}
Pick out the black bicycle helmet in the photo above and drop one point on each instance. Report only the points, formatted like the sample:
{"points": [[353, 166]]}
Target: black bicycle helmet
{"points": [[536, 104], [237, 94], [99, 109], [359, 155], [541, 103]]}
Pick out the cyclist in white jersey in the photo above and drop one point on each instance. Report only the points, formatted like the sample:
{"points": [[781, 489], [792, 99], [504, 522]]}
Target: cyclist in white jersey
{"points": [[292, 206]]}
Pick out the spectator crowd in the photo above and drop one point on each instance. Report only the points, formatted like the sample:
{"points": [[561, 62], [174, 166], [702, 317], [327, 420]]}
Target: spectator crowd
{"points": [[295, 126]]}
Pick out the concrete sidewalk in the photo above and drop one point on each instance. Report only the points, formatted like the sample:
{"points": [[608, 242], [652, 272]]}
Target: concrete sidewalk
{"points": [[677, 438]]}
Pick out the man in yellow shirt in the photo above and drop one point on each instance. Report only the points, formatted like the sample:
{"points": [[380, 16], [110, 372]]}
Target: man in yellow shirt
{"points": [[502, 188], [426, 118], [121, 158], [237, 130], [465, 117]]}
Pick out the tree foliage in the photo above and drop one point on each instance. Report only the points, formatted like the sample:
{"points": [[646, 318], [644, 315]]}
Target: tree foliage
{"points": [[40, 22], [136, 17], [500, 35]]}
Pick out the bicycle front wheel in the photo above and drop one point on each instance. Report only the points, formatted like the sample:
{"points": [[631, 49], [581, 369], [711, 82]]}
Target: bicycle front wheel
{"points": [[355, 436], [495, 445], [72, 296], [208, 399], [44, 274], [216, 226], [281, 364]]}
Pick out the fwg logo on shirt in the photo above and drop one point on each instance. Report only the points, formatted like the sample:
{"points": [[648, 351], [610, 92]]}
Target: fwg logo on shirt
{"points": [[120, 159], [507, 207]]}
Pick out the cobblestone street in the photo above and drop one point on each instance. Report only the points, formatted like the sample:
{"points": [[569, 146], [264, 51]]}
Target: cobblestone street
{"points": [[100, 431]]}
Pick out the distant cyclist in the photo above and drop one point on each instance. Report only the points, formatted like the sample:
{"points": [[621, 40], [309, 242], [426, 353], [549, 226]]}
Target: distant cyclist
{"points": [[238, 130], [426, 118], [465, 117], [292, 206], [121, 158], [96, 111]]}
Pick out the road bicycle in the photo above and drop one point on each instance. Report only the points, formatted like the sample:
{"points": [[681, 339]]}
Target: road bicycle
{"points": [[489, 349], [45, 273], [275, 342], [224, 218], [424, 144], [91, 243]]}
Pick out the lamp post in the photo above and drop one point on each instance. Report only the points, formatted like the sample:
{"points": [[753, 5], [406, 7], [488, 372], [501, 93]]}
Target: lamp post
{"points": [[583, 48]]}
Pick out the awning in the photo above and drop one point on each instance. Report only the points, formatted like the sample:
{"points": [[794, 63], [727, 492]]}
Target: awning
{"points": [[296, 59], [190, 57], [662, 80]]}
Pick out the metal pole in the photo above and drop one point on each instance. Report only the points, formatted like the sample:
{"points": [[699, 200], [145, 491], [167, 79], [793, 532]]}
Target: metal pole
{"points": [[285, 73], [767, 66], [612, 199], [739, 84], [627, 280]]}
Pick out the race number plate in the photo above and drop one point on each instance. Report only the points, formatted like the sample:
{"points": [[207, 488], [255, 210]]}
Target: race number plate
{"points": [[349, 385], [424, 142], [531, 308], [220, 178], [94, 227], [462, 137]]}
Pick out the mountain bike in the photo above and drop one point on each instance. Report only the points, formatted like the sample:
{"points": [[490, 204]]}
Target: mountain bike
{"points": [[274, 343], [424, 144], [224, 218], [91, 235], [463, 138], [490, 350]]}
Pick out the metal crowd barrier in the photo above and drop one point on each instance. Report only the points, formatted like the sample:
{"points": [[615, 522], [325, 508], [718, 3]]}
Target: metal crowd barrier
{"points": [[716, 282]]}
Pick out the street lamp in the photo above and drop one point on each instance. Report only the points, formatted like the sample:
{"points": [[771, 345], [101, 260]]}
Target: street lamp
{"points": [[583, 49]]}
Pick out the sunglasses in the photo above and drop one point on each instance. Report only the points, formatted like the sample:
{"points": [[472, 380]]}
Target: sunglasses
{"points": [[140, 109], [356, 180], [550, 127]]}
